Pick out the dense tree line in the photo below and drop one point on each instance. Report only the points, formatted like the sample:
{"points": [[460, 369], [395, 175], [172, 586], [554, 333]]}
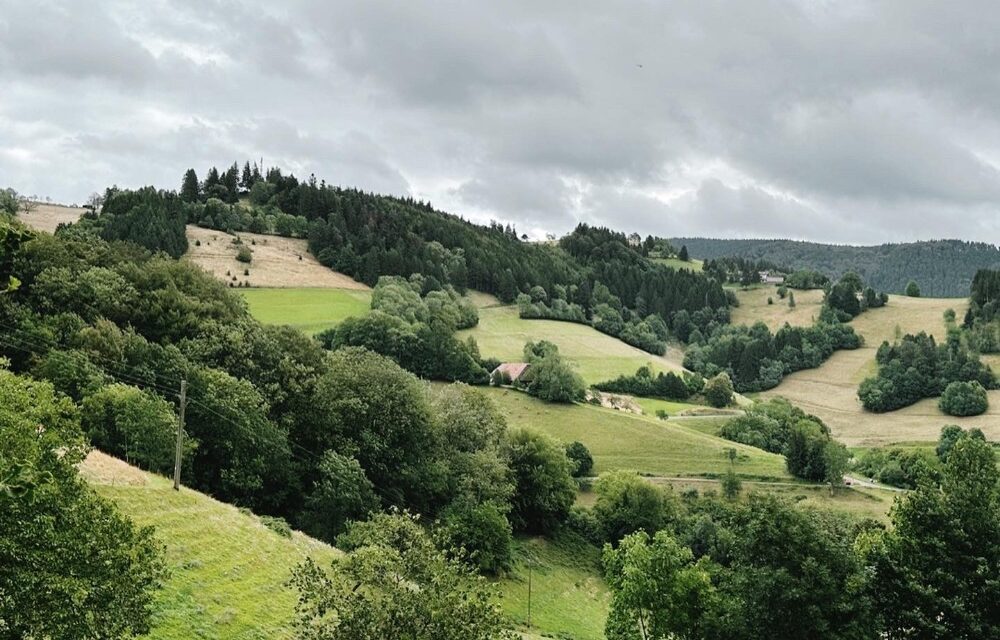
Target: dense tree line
{"points": [[806, 279], [756, 359], [148, 217], [643, 383], [738, 270], [941, 268], [917, 367]]}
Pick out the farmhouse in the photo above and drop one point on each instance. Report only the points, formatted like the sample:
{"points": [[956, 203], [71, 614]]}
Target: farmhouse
{"points": [[510, 371], [770, 277]]}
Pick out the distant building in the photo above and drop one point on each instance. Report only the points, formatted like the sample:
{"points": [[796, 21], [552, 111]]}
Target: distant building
{"points": [[510, 370], [769, 277]]}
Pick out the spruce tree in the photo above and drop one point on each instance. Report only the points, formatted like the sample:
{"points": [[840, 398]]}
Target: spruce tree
{"points": [[190, 192], [683, 254], [247, 179]]}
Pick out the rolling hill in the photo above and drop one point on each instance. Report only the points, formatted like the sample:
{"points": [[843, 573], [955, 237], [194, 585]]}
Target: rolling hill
{"points": [[941, 267]]}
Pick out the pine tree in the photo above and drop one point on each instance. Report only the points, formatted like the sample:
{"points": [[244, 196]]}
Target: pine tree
{"points": [[231, 181], [247, 179], [683, 254], [791, 299], [190, 191]]}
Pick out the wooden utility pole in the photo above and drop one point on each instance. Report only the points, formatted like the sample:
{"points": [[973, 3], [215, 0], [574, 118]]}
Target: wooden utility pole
{"points": [[529, 593], [180, 437]]}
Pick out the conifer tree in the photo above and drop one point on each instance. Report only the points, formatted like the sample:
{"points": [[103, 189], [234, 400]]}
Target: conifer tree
{"points": [[190, 191]]}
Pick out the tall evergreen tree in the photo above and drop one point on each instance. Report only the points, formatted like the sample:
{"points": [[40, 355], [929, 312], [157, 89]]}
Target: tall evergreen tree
{"points": [[683, 254], [246, 181], [231, 181], [190, 191]]}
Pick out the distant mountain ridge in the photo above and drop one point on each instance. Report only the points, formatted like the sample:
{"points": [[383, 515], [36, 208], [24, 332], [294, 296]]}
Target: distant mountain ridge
{"points": [[942, 268]]}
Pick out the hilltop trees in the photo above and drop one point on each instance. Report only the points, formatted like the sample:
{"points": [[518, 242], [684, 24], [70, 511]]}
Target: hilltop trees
{"points": [[149, 218], [190, 189]]}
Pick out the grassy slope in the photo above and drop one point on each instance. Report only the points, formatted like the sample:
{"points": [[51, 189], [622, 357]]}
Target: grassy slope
{"points": [[309, 309], [568, 597], [619, 440], [227, 570], [502, 334], [754, 308], [830, 391], [677, 263]]}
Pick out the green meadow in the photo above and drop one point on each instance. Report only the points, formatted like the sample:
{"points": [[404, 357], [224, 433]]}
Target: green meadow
{"points": [[619, 440], [311, 309], [227, 570], [596, 356]]}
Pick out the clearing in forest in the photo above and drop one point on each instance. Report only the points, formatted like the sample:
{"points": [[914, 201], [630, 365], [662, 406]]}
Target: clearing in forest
{"points": [[620, 440], [309, 309], [754, 307], [275, 262], [46, 217]]}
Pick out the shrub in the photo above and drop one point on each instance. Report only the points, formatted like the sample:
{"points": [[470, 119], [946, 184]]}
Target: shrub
{"points": [[719, 391], [580, 456], [244, 254], [627, 503], [277, 525], [964, 399]]}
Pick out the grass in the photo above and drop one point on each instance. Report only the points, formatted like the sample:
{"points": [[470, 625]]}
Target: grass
{"points": [[754, 308], [227, 570], [677, 263], [644, 444], [309, 309], [596, 356], [569, 599], [830, 391]]}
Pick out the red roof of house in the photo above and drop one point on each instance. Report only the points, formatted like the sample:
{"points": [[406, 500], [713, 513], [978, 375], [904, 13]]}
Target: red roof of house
{"points": [[512, 369]]}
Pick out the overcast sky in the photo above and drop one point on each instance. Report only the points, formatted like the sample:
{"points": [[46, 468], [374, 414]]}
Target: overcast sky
{"points": [[847, 121]]}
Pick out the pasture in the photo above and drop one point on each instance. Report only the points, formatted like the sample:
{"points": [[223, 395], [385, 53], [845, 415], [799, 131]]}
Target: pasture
{"points": [[227, 570], [310, 310], [830, 391], [754, 307], [276, 261], [596, 356], [46, 217], [677, 263], [619, 440]]}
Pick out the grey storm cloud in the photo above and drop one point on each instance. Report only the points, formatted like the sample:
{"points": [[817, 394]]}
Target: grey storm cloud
{"points": [[855, 121]]}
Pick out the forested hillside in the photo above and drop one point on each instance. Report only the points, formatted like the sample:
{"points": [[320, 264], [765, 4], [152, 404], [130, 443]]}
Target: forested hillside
{"points": [[942, 268]]}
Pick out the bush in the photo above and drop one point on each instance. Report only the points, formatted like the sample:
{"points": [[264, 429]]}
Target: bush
{"points": [[580, 456], [719, 391], [964, 399], [584, 523], [244, 254], [627, 503], [277, 525], [912, 289], [482, 530]]}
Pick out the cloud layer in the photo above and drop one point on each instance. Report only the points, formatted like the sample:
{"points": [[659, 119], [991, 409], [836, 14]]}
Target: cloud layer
{"points": [[851, 121]]}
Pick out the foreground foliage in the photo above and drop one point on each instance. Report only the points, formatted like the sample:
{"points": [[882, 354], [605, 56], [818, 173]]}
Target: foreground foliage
{"points": [[395, 583], [71, 566]]}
